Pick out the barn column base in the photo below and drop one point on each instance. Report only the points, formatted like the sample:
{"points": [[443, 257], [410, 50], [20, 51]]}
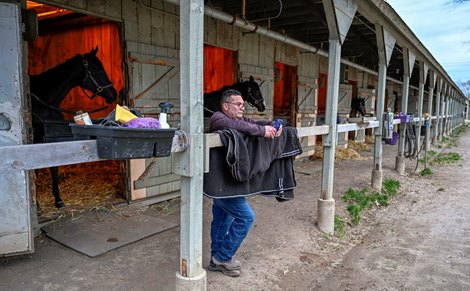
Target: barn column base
{"points": [[198, 283], [376, 183], [326, 215], [400, 165]]}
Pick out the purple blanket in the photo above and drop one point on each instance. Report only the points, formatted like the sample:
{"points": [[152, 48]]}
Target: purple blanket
{"points": [[143, 122]]}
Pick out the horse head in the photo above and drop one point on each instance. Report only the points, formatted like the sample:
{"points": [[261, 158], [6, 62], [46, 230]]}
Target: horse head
{"points": [[253, 96], [96, 80], [358, 106]]}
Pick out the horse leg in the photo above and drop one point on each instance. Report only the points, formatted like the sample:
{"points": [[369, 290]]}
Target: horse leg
{"points": [[55, 187]]}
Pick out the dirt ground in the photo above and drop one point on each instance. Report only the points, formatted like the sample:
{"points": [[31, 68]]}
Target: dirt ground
{"points": [[421, 241]]}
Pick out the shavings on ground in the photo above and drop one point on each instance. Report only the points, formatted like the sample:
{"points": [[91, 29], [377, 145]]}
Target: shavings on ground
{"points": [[166, 208], [83, 187]]}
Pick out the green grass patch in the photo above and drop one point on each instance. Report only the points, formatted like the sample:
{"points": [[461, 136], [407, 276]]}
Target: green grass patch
{"points": [[362, 199], [426, 172], [390, 187], [432, 153], [459, 130], [340, 227], [447, 158]]}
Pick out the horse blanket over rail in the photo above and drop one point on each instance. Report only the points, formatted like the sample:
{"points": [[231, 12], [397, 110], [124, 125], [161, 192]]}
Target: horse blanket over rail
{"points": [[250, 165]]}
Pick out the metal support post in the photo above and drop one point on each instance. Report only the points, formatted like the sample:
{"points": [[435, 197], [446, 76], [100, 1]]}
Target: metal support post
{"points": [[189, 164]]}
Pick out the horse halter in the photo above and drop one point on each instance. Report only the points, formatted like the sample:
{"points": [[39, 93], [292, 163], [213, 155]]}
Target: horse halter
{"points": [[88, 75], [250, 96]]}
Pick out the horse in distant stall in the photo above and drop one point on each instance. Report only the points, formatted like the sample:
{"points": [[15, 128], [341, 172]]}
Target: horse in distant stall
{"points": [[49, 88], [250, 92], [358, 106]]}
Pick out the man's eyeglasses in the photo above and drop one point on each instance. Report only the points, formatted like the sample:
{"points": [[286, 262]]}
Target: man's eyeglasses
{"points": [[239, 104]]}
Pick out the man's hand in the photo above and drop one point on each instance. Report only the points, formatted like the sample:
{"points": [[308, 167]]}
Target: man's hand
{"points": [[279, 131], [270, 131]]}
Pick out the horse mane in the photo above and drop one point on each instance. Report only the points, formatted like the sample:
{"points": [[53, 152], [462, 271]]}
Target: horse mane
{"points": [[58, 71], [235, 86]]}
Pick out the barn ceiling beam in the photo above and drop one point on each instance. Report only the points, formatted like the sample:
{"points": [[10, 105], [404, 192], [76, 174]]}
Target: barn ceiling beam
{"points": [[233, 20]]}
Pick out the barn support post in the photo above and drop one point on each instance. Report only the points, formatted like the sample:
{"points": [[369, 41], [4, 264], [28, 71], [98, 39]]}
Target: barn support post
{"points": [[408, 63], [456, 111], [385, 45], [326, 203], [452, 112], [435, 136], [339, 14], [448, 111], [432, 83], [423, 73], [189, 164], [442, 112], [454, 122], [451, 103], [446, 124], [465, 109], [446, 128]]}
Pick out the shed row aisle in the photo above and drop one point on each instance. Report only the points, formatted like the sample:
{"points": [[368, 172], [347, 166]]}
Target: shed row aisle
{"points": [[284, 251]]}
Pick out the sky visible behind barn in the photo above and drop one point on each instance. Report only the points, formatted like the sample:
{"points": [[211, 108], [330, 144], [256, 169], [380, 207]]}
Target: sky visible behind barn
{"points": [[443, 26]]}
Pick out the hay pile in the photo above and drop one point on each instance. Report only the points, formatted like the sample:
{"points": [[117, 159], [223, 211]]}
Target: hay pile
{"points": [[370, 139], [359, 146], [83, 187], [350, 153]]}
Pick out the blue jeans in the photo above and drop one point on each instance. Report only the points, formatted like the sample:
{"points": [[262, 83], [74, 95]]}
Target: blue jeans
{"points": [[231, 220]]}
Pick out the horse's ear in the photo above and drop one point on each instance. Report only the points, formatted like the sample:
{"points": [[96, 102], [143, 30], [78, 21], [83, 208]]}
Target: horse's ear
{"points": [[252, 79], [94, 51]]}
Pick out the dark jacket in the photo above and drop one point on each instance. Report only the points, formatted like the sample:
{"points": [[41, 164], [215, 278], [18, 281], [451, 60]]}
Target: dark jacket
{"points": [[249, 165]]}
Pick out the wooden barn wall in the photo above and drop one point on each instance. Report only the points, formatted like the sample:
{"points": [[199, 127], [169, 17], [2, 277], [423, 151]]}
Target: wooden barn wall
{"points": [[155, 78], [255, 58]]}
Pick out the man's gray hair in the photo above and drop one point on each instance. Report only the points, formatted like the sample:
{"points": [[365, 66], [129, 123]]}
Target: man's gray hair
{"points": [[227, 95]]}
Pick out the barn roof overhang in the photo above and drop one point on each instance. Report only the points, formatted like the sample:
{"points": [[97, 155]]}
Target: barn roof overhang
{"points": [[305, 22]]}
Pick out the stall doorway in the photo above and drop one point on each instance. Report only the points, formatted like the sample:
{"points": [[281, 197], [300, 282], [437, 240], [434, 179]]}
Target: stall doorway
{"points": [[63, 34], [220, 68], [285, 93]]}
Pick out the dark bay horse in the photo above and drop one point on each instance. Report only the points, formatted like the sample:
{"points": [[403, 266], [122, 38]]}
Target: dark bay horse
{"points": [[358, 106], [49, 88], [250, 93]]}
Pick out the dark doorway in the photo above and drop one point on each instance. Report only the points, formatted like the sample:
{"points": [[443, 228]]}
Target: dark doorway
{"points": [[285, 93]]}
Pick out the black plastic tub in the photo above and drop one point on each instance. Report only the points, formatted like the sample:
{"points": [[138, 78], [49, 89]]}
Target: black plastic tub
{"points": [[122, 143]]}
